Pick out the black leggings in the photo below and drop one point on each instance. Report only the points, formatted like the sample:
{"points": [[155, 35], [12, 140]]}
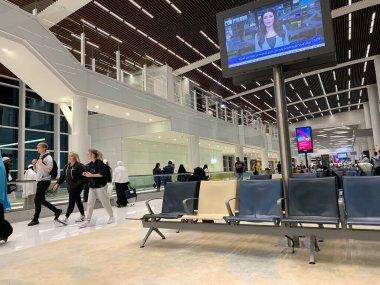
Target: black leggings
{"points": [[74, 197], [1, 212]]}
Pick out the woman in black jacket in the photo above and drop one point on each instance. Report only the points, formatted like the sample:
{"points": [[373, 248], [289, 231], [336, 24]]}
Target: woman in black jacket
{"points": [[72, 175]]}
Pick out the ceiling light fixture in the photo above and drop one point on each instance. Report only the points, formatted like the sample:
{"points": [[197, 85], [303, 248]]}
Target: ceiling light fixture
{"points": [[101, 6], [88, 23]]}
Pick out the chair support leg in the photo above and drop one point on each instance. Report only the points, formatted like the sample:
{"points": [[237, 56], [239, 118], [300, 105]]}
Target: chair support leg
{"points": [[178, 231], [292, 242], [146, 237], [312, 250], [160, 233]]}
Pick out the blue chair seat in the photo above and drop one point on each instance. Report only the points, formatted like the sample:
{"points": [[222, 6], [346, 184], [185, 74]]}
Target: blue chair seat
{"points": [[311, 220], [173, 215], [365, 221], [252, 218]]}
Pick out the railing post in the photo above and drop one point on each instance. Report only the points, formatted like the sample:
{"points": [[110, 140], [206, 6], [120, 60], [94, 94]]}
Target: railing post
{"points": [[82, 49], [118, 77], [195, 100]]}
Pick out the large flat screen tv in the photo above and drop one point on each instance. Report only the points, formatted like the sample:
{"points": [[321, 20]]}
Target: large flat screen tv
{"points": [[304, 140], [342, 155], [264, 33]]}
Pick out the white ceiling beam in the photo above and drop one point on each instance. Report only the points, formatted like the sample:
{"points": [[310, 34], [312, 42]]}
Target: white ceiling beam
{"points": [[353, 7], [290, 79], [197, 64], [317, 97]]}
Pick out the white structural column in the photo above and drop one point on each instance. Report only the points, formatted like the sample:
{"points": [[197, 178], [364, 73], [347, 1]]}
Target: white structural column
{"points": [[194, 154], [21, 131], [368, 125], [57, 135], [80, 140], [373, 100], [93, 64], [240, 152], [82, 49], [118, 71]]}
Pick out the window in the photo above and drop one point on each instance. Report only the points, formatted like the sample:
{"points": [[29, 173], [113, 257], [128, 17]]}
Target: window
{"points": [[33, 101], [64, 142], [8, 137], [13, 155], [9, 81], [29, 156], [63, 159], [8, 116], [39, 121], [227, 163], [8, 95], [35, 137], [64, 125]]}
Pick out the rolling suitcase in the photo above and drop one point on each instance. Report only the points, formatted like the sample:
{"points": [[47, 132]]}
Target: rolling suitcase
{"points": [[131, 193], [5, 230]]}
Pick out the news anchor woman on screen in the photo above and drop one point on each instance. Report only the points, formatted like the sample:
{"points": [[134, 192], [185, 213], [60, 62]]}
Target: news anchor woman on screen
{"points": [[271, 33]]}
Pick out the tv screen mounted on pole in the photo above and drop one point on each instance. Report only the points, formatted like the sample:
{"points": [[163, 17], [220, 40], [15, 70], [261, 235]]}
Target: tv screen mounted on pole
{"points": [[304, 139], [265, 33]]}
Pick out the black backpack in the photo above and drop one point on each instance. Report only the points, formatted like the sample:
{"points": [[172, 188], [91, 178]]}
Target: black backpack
{"points": [[109, 175], [54, 171]]}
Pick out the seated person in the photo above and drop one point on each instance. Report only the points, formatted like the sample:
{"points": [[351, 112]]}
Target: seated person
{"points": [[267, 172]]}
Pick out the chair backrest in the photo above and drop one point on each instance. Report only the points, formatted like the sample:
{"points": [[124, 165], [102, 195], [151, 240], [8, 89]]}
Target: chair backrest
{"points": [[260, 177], [176, 192], [305, 175], [350, 173], [259, 197], [313, 197], [362, 196], [214, 194], [276, 176]]}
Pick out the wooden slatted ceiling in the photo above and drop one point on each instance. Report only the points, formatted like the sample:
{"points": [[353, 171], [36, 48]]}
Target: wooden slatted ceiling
{"points": [[199, 15]]}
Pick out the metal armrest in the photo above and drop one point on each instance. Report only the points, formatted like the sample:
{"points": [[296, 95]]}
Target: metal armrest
{"points": [[229, 206], [148, 205], [186, 209], [340, 192], [342, 213], [279, 205]]}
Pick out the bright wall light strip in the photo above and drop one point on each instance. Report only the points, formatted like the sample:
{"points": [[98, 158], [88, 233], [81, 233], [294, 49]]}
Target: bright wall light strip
{"points": [[368, 49], [209, 39], [88, 23], [31, 141], [349, 26], [130, 25], [116, 39], [92, 44], [372, 22], [141, 9], [103, 32], [174, 6], [117, 16], [101, 6]]}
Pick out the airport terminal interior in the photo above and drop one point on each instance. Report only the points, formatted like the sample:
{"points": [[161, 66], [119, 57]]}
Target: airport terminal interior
{"points": [[242, 139]]}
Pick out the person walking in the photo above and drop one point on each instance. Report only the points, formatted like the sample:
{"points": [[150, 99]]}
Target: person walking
{"points": [[279, 167], [157, 176], [5, 228], [72, 175], [44, 166], [239, 169], [376, 163], [207, 172], [121, 180], [97, 183], [182, 174], [167, 170]]}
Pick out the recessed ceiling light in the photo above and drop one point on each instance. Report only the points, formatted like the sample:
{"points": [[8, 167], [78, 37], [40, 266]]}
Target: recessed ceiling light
{"points": [[63, 98], [127, 114], [5, 50], [97, 106], [159, 137], [150, 120]]}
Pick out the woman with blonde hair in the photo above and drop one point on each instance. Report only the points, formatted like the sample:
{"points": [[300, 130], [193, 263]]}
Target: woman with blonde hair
{"points": [[96, 175], [72, 174]]}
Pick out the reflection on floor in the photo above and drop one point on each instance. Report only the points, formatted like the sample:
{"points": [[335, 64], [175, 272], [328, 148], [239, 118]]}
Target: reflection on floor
{"points": [[110, 254]]}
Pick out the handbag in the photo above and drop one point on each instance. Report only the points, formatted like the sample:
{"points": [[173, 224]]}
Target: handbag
{"points": [[132, 193]]}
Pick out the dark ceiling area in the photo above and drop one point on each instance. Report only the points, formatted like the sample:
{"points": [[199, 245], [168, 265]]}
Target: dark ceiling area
{"points": [[156, 33]]}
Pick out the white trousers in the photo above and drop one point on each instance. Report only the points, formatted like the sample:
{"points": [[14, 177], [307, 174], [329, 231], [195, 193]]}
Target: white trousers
{"points": [[102, 196]]}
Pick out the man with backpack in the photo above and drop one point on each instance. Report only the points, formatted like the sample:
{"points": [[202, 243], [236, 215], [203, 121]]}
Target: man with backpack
{"points": [[46, 169], [239, 168]]}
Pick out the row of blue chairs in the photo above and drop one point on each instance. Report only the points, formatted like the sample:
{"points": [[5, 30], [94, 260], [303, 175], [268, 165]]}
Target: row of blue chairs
{"points": [[308, 201]]}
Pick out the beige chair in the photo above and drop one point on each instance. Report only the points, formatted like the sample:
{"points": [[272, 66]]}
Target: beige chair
{"points": [[212, 200], [276, 176]]}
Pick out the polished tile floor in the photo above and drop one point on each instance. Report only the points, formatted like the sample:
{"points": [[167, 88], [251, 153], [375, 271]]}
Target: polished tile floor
{"points": [[49, 230]]}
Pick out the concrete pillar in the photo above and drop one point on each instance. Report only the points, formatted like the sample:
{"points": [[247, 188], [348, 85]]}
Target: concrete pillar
{"points": [[264, 158], [80, 140], [82, 49], [373, 100], [225, 113], [195, 100], [194, 154], [21, 131], [240, 152], [118, 71], [368, 125], [57, 136], [144, 77]]}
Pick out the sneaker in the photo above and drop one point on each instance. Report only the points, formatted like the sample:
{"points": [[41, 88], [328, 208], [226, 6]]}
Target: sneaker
{"points": [[82, 218], [57, 214], [64, 220], [33, 223], [84, 225], [111, 220]]}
